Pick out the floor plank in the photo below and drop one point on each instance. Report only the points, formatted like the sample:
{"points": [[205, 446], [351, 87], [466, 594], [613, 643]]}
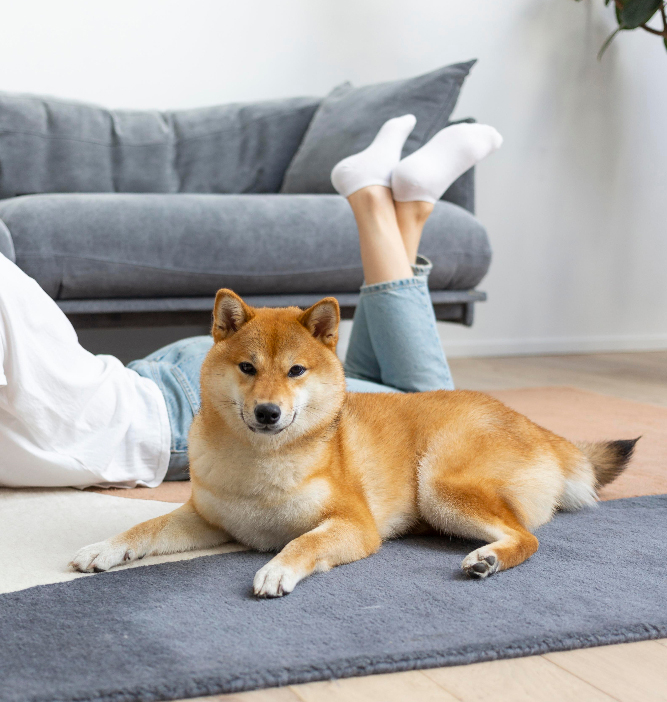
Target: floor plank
{"points": [[634, 672], [394, 687], [274, 694], [532, 679], [639, 376]]}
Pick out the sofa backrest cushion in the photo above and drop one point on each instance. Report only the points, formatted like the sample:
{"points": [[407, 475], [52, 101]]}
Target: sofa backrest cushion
{"points": [[55, 146], [349, 118], [239, 148]]}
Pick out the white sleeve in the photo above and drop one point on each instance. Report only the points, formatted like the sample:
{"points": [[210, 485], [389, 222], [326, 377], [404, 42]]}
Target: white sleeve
{"points": [[4, 264], [3, 377]]}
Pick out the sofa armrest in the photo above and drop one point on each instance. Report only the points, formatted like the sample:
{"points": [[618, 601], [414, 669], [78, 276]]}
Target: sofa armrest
{"points": [[6, 242]]}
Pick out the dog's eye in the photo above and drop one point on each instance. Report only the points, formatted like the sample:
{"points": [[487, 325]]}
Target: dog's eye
{"points": [[296, 371], [247, 368]]}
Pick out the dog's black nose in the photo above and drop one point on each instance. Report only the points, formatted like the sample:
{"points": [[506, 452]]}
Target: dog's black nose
{"points": [[267, 414]]}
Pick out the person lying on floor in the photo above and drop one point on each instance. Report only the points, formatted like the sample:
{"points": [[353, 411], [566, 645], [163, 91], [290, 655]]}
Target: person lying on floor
{"points": [[70, 418]]}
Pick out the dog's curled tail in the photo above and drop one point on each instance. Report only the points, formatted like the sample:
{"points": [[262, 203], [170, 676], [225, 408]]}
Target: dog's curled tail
{"points": [[609, 458]]}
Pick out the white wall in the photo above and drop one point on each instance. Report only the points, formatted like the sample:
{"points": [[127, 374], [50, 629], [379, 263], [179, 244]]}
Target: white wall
{"points": [[576, 200]]}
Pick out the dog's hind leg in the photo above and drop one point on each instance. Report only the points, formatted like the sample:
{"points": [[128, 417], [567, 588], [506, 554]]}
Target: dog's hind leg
{"points": [[180, 530], [477, 512]]}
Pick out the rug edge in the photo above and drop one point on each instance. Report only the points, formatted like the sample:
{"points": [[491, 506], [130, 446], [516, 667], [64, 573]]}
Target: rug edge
{"points": [[360, 666]]}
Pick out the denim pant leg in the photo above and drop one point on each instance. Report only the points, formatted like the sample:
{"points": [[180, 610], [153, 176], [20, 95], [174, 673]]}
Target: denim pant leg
{"points": [[361, 365], [360, 360], [176, 369], [399, 335]]}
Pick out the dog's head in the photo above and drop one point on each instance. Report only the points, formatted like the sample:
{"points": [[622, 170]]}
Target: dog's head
{"points": [[273, 374]]}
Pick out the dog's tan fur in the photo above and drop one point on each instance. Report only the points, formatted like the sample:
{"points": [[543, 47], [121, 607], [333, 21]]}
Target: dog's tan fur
{"points": [[341, 472]]}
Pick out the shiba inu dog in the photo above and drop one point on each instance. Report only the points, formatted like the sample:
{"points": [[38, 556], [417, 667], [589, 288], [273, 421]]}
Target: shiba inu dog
{"points": [[283, 459]]}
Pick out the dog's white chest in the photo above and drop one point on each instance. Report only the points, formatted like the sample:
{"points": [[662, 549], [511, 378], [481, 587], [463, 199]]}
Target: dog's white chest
{"points": [[263, 516]]}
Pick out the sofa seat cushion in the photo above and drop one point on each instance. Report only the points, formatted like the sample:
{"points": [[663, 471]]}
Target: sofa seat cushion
{"points": [[150, 245]]}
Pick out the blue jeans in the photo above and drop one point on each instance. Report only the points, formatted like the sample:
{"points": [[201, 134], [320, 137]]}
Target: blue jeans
{"points": [[176, 369], [394, 347]]}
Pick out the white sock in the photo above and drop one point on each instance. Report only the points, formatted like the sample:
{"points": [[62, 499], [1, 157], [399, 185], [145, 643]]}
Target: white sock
{"points": [[428, 172], [373, 165]]}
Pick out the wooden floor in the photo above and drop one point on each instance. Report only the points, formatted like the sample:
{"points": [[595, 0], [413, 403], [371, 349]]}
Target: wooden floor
{"points": [[634, 672], [633, 376]]}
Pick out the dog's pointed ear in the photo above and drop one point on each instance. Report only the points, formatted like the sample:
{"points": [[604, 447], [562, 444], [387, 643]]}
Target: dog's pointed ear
{"points": [[230, 313], [322, 320]]}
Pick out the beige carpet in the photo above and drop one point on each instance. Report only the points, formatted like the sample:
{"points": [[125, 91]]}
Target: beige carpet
{"points": [[573, 413], [43, 528]]}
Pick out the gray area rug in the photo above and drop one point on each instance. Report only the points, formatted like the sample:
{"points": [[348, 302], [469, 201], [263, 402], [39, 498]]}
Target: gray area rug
{"points": [[193, 628]]}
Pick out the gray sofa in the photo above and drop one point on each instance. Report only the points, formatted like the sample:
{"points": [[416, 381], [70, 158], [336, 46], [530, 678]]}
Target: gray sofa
{"points": [[127, 217]]}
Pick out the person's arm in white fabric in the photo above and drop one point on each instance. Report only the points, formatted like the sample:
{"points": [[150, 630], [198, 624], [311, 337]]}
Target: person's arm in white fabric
{"points": [[3, 377], [3, 341], [67, 417]]}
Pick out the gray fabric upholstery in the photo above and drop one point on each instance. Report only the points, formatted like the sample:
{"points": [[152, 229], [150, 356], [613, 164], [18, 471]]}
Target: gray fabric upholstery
{"points": [[55, 146], [49, 146], [348, 119], [130, 245], [462, 191], [6, 243], [170, 216], [239, 148]]}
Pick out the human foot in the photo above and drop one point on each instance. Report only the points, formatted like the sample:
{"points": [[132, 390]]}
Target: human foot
{"points": [[373, 165], [427, 173]]}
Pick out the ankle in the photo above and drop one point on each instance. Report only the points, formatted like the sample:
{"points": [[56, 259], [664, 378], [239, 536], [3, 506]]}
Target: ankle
{"points": [[414, 213], [373, 197], [411, 218]]}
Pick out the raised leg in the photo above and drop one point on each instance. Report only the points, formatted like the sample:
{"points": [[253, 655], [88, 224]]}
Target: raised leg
{"points": [[394, 334], [383, 254], [332, 543], [411, 218], [180, 530]]}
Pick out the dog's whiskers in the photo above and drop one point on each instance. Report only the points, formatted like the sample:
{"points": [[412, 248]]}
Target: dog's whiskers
{"points": [[306, 408]]}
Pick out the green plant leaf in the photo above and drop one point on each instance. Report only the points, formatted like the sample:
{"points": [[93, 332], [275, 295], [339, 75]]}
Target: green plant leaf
{"points": [[608, 41], [637, 12]]}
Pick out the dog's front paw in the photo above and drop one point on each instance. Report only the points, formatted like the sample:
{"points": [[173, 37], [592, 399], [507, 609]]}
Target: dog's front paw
{"points": [[101, 556], [480, 563], [274, 580]]}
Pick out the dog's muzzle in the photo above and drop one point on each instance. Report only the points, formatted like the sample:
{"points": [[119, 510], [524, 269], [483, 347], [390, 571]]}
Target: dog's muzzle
{"points": [[266, 419]]}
